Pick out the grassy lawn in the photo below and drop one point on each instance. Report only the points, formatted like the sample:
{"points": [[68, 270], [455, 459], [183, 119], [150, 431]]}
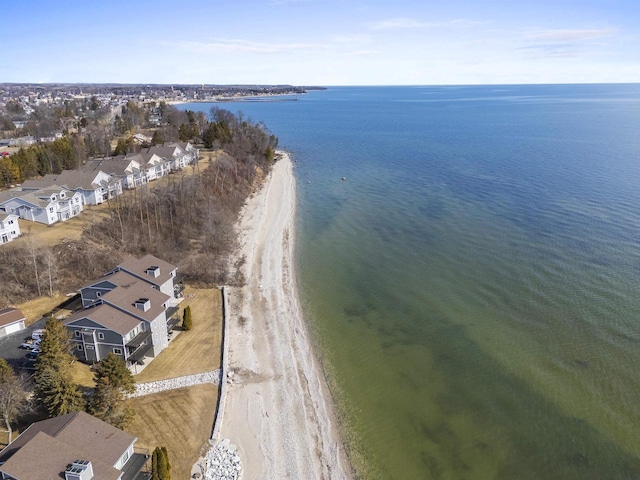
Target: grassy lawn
{"points": [[197, 350], [34, 309], [180, 420]]}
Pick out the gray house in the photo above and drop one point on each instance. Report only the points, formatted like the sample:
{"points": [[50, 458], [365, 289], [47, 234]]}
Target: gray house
{"points": [[159, 274], [125, 316]]}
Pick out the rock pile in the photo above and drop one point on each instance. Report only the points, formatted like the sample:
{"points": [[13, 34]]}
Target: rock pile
{"points": [[222, 462], [178, 382]]}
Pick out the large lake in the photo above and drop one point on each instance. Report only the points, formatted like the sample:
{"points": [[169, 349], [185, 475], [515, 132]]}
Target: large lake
{"points": [[474, 284]]}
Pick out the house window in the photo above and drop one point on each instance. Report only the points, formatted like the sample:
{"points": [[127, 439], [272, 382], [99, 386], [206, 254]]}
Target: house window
{"points": [[98, 294], [100, 336], [117, 351], [51, 209], [77, 333], [80, 347]]}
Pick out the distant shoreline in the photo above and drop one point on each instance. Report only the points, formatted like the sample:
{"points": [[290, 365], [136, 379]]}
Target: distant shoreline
{"points": [[276, 97]]}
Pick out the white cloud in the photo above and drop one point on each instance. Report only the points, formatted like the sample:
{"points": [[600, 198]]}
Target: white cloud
{"points": [[246, 46], [409, 23], [569, 35], [563, 43], [364, 53]]}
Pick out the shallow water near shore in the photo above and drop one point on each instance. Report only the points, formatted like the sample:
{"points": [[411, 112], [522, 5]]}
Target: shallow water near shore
{"points": [[474, 283]]}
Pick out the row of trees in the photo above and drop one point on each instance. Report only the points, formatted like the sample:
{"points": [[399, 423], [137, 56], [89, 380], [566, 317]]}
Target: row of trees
{"points": [[28, 162]]}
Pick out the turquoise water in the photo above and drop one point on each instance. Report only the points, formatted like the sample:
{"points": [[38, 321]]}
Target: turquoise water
{"points": [[474, 284]]}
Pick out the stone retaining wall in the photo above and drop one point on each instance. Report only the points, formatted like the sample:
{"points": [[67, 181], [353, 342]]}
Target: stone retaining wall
{"points": [[178, 382], [222, 391]]}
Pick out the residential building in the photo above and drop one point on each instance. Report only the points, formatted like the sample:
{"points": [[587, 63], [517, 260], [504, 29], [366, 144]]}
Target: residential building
{"points": [[159, 274], [12, 320], [75, 446], [127, 312], [130, 173], [9, 227], [128, 320], [95, 187], [153, 165], [48, 205]]}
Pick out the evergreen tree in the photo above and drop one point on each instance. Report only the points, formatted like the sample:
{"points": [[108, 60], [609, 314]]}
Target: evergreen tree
{"points": [[5, 370], [187, 322], [158, 138], [113, 382], [55, 390], [160, 465]]}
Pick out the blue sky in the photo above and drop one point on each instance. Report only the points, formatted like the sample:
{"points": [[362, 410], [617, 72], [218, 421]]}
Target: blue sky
{"points": [[321, 42]]}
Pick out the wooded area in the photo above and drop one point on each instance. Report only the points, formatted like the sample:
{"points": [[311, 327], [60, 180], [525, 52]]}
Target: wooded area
{"points": [[189, 221]]}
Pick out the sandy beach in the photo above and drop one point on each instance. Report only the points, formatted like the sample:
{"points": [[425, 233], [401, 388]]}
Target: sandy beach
{"points": [[278, 409]]}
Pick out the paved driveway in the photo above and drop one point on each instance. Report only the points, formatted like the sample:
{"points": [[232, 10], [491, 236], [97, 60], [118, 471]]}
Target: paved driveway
{"points": [[10, 347]]}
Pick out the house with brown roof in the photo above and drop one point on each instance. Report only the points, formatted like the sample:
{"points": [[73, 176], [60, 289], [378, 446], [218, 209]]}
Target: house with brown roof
{"points": [[12, 320], [157, 273], [75, 446], [127, 312], [128, 318]]}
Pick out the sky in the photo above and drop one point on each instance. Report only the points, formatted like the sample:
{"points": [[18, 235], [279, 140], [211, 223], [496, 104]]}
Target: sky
{"points": [[321, 42]]}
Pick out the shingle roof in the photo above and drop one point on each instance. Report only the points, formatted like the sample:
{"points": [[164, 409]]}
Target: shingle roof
{"points": [[139, 266], [124, 297], [85, 437], [10, 315], [107, 316], [46, 457], [117, 278]]}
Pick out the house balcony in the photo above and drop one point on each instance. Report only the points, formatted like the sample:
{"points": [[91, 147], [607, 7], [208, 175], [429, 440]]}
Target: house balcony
{"points": [[139, 353], [138, 340], [137, 467]]}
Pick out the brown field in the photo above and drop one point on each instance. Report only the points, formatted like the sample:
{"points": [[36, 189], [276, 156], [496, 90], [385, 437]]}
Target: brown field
{"points": [[35, 309], [197, 350], [180, 420]]}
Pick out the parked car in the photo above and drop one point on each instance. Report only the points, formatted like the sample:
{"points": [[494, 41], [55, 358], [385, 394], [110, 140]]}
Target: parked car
{"points": [[33, 354], [37, 334], [30, 344]]}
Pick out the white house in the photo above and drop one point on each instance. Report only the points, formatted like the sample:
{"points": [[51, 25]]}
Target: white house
{"points": [[129, 171], [96, 187], [9, 227], [47, 206], [154, 165], [12, 320]]}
